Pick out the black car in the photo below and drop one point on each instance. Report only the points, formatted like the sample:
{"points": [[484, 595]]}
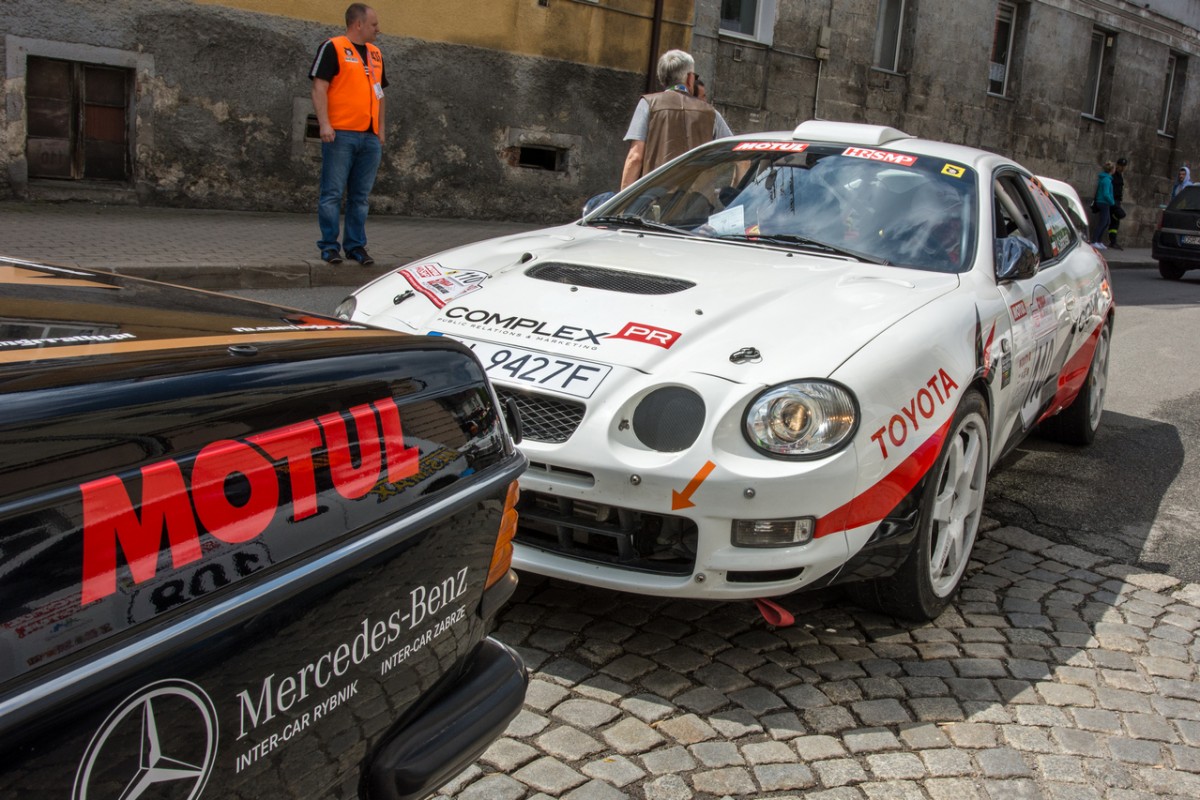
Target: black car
{"points": [[245, 552], [1176, 244]]}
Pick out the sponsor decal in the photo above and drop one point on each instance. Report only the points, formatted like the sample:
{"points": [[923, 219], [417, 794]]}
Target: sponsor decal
{"points": [[954, 171], [160, 741], [778, 147], [880, 155], [923, 405], [306, 695], [82, 338], [350, 56], [524, 327], [441, 286], [639, 332], [181, 506], [1018, 310]]}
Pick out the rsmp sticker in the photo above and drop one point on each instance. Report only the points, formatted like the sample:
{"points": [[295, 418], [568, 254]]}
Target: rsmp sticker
{"points": [[779, 147], [880, 155], [441, 286]]}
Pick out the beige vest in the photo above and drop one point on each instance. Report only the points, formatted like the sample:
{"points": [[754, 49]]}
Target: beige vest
{"points": [[678, 122]]}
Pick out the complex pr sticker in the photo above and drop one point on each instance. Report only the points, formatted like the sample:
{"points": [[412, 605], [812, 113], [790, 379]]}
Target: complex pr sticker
{"points": [[954, 171]]}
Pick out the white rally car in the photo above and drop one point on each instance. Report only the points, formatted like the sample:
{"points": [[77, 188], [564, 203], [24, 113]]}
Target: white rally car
{"points": [[780, 361]]}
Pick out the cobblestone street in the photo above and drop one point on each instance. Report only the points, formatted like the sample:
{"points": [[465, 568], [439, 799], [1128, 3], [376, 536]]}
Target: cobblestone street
{"points": [[1057, 674]]}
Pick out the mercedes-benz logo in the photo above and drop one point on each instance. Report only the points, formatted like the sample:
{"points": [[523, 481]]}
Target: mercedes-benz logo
{"points": [[164, 733]]}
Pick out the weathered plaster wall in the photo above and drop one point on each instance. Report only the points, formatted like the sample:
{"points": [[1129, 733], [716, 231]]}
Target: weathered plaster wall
{"points": [[220, 117], [941, 90]]}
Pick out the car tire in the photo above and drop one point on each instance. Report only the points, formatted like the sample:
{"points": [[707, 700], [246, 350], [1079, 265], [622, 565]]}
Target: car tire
{"points": [[951, 506], [1077, 423], [1171, 270]]}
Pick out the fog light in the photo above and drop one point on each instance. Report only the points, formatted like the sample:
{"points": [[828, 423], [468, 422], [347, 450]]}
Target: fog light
{"points": [[772, 532]]}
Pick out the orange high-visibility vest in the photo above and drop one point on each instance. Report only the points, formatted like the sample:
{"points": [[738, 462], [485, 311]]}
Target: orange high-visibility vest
{"points": [[355, 91]]}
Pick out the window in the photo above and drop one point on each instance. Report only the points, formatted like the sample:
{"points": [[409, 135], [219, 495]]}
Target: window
{"points": [[1099, 74], [1059, 233], [78, 120], [887, 35], [1002, 48], [753, 19], [1168, 119]]}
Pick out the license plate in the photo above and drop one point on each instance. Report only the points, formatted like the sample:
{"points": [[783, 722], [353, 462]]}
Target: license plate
{"points": [[510, 364], [1194, 241]]}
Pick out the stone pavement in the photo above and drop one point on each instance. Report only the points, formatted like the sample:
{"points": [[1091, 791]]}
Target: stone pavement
{"points": [[247, 250], [1056, 674]]}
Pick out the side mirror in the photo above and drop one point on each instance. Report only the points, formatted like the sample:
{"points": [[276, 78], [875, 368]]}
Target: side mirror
{"points": [[1016, 258], [597, 201]]}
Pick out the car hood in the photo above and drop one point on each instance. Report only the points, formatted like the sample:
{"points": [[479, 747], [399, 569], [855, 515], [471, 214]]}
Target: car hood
{"points": [[655, 303]]}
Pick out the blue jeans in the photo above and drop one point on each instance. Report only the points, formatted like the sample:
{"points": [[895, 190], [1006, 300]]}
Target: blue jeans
{"points": [[348, 165], [1103, 211]]}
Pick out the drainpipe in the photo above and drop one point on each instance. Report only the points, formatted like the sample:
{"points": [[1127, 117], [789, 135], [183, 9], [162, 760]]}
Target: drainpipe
{"points": [[655, 42]]}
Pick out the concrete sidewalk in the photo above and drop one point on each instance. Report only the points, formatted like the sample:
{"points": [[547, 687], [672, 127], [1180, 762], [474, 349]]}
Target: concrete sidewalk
{"points": [[248, 250]]}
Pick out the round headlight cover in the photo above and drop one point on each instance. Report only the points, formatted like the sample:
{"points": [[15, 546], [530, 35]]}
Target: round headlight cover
{"points": [[801, 419], [345, 309]]}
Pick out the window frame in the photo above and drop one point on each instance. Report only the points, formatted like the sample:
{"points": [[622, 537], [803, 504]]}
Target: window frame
{"points": [[764, 23], [1169, 110], [1099, 77], [1013, 11], [898, 39]]}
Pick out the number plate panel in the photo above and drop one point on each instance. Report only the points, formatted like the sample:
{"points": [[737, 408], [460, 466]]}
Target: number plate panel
{"points": [[1193, 241], [547, 371]]}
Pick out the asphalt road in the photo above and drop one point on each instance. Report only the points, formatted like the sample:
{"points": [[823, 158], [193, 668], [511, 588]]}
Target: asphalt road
{"points": [[1134, 494]]}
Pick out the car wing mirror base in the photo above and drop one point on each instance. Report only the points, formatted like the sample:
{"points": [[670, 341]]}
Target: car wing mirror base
{"points": [[1016, 258]]}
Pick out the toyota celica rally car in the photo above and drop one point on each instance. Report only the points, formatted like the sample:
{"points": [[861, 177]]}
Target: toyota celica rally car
{"points": [[778, 362]]}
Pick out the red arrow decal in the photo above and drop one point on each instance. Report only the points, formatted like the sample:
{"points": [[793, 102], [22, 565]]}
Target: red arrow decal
{"points": [[684, 499]]}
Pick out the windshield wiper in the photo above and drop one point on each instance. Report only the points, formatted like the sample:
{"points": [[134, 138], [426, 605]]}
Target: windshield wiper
{"points": [[804, 241], [633, 221]]}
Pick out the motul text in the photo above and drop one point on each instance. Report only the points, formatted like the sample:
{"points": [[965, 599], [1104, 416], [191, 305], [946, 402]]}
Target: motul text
{"points": [[184, 506]]}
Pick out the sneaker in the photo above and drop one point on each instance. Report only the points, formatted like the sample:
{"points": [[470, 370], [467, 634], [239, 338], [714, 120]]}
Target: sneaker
{"points": [[331, 256], [361, 255], [1114, 246], [1099, 245]]}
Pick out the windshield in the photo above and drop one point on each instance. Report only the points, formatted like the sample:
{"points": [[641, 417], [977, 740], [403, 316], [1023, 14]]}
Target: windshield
{"points": [[877, 205]]}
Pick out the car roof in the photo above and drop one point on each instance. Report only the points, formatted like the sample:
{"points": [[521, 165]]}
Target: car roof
{"points": [[862, 135]]}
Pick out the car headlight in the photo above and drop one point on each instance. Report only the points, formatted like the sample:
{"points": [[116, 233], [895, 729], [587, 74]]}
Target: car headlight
{"points": [[345, 309], [801, 419]]}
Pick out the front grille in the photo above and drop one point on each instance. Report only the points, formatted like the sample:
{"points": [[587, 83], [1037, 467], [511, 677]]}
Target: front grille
{"points": [[634, 540], [544, 418], [612, 280]]}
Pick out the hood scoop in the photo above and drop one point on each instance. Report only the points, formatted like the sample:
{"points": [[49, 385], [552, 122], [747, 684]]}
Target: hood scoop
{"points": [[610, 280]]}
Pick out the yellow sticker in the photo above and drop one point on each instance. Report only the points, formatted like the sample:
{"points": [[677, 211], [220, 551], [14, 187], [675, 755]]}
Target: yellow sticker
{"points": [[954, 171]]}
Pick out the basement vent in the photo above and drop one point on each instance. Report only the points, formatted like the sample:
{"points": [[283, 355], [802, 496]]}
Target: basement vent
{"points": [[552, 159]]}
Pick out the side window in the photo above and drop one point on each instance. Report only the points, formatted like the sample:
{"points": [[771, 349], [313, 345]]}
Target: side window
{"points": [[1012, 214], [1059, 235]]}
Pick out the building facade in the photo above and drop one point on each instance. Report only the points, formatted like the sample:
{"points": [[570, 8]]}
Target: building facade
{"points": [[516, 109], [503, 109], [1058, 85]]}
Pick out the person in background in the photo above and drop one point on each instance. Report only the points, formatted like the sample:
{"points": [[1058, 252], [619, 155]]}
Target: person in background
{"points": [[671, 122], [1118, 210], [700, 90], [1184, 180], [1103, 204], [347, 92]]}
